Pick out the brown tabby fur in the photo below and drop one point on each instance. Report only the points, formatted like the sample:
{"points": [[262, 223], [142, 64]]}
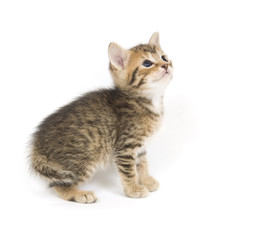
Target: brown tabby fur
{"points": [[106, 125]]}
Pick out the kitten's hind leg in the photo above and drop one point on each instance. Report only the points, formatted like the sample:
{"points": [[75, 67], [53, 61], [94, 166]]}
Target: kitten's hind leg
{"points": [[71, 193]]}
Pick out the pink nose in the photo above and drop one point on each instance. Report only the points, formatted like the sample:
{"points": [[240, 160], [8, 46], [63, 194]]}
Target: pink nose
{"points": [[165, 66]]}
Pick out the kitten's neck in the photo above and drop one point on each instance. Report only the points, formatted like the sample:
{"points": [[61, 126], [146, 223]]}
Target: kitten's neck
{"points": [[157, 103], [154, 102]]}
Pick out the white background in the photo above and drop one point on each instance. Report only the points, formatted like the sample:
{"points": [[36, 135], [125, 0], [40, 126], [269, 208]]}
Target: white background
{"points": [[214, 156]]}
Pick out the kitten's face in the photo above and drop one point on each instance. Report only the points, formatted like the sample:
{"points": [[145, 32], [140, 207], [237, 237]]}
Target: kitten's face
{"points": [[144, 69]]}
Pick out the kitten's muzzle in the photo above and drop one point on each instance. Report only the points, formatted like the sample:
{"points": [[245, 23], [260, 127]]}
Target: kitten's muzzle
{"points": [[165, 66]]}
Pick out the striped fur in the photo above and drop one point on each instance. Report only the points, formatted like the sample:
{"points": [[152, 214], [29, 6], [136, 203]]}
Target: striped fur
{"points": [[106, 125]]}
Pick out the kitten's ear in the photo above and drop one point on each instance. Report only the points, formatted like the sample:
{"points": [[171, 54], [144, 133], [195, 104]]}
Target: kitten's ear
{"points": [[154, 40], [118, 56]]}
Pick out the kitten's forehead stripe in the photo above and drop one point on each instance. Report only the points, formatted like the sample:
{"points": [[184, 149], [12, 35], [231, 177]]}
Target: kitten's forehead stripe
{"points": [[145, 48]]}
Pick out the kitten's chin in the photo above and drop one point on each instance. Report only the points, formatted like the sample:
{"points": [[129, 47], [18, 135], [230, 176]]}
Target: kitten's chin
{"points": [[157, 88]]}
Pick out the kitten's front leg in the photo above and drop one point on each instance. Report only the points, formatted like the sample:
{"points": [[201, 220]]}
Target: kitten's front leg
{"points": [[128, 173], [144, 178]]}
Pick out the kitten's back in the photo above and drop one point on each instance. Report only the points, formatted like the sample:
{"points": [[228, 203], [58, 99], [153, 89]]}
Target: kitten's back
{"points": [[77, 137]]}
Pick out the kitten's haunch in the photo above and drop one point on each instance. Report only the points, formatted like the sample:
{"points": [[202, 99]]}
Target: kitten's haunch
{"points": [[107, 125]]}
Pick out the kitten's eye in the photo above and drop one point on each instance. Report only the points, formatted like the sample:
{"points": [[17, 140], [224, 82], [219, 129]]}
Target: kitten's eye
{"points": [[147, 63], [164, 58]]}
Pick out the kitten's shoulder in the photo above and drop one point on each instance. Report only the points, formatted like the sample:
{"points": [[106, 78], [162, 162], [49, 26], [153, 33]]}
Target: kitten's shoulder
{"points": [[101, 97]]}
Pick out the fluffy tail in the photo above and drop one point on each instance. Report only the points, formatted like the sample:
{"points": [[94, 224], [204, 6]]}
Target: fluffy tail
{"points": [[52, 172]]}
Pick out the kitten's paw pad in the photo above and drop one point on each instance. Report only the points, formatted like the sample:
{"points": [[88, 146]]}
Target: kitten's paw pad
{"points": [[151, 184], [85, 197], [136, 191]]}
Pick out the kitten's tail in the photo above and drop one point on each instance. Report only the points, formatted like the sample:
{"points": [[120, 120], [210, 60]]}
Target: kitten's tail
{"points": [[52, 172]]}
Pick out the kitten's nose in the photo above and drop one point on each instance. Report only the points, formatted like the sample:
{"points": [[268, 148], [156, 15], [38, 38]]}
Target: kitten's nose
{"points": [[165, 66]]}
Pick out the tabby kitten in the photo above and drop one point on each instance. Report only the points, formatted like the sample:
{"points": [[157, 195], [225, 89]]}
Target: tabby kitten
{"points": [[106, 125]]}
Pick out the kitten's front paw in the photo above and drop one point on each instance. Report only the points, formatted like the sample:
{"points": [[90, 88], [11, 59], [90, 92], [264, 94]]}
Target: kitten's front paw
{"points": [[151, 184], [84, 197], [136, 191]]}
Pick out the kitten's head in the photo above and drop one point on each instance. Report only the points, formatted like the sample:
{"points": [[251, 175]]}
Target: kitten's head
{"points": [[143, 69]]}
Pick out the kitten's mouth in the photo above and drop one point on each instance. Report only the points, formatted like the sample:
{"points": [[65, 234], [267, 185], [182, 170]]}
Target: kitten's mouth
{"points": [[163, 75]]}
